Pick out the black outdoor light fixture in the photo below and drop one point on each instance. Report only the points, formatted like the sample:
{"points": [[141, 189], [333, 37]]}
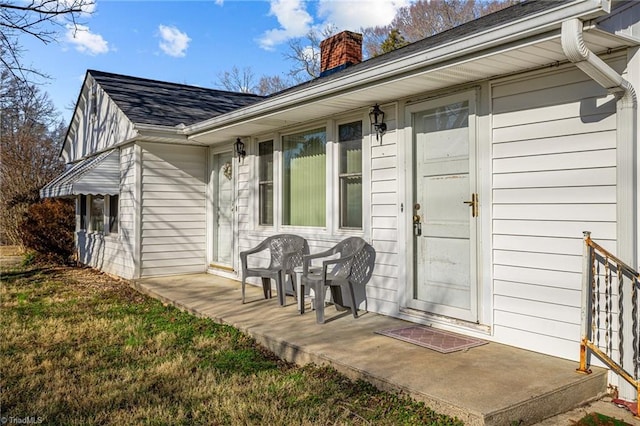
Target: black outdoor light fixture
{"points": [[376, 116], [239, 146]]}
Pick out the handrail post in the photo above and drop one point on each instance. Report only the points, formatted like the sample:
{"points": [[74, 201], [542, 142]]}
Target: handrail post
{"points": [[586, 296]]}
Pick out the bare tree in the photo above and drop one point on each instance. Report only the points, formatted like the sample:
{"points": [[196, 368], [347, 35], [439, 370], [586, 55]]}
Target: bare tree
{"points": [[269, 85], [30, 141], [42, 19], [425, 18], [238, 80], [496, 5], [304, 52], [244, 81], [372, 39]]}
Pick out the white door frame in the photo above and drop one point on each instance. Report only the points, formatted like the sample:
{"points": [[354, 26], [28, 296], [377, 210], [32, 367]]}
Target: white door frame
{"points": [[228, 270], [472, 96]]}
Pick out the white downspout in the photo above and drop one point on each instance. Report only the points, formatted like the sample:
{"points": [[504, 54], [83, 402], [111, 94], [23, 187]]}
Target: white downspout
{"points": [[626, 144]]}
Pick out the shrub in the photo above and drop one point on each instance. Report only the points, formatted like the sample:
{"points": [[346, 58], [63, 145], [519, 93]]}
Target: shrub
{"points": [[47, 228]]}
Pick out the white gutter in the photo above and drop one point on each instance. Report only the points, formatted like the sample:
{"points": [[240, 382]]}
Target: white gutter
{"points": [[577, 52], [173, 132], [511, 31]]}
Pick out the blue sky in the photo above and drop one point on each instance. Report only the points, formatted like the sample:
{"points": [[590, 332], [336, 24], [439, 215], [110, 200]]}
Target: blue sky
{"points": [[190, 42]]}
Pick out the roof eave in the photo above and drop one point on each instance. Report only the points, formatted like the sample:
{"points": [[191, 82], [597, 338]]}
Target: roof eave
{"points": [[157, 133]]}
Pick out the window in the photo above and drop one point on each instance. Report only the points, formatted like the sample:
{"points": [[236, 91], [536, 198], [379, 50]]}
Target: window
{"points": [[97, 213], [304, 182], [93, 101], [101, 208], [350, 174], [83, 211], [113, 214], [314, 177], [265, 182]]}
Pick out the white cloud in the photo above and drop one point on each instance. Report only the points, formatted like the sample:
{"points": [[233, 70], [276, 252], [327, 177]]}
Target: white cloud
{"points": [[355, 14], [294, 21], [174, 42], [85, 41]]}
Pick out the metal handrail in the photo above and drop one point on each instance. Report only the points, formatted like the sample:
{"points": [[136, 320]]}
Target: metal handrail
{"points": [[601, 271]]}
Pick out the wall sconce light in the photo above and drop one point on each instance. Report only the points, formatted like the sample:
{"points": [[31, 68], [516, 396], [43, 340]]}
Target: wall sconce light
{"points": [[239, 148], [376, 117]]}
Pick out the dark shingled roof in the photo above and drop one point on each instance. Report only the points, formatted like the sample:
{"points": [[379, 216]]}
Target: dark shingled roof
{"points": [[168, 104]]}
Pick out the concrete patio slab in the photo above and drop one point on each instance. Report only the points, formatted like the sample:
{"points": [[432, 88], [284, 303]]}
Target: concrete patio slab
{"points": [[491, 384]]}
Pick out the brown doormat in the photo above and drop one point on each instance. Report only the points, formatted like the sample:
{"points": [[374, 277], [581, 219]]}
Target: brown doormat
{"points": [[429, 337]]}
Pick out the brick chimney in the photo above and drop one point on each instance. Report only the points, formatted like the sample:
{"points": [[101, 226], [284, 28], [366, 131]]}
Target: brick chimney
{"points": [[340, 51]]}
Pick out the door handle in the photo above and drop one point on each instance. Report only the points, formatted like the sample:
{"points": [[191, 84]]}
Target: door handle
{"points": [[473, 204], [417, 229], [417, 226]]}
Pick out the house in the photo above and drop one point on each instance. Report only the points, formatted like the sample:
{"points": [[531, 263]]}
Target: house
{"points": [[503, 140]]}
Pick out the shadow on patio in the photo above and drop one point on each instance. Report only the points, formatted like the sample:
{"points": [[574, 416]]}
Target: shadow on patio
{"points": [[491, 384]]}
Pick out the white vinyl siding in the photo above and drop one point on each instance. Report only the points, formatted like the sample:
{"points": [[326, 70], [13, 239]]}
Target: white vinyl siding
{"points": [[246, 192], [554, 159], [129, 199], [173, 235], [382, 290], [98, 124]]}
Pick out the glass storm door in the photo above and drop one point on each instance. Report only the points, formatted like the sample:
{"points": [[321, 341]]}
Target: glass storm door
{"points": [[445, 208], [223, 206]]}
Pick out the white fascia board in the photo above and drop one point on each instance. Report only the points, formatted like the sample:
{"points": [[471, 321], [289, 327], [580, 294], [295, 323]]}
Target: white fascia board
{"points": [[517, 30], [620, 37], [156, 133]]}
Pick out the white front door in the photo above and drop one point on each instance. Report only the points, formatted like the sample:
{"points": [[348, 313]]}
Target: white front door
{"points": [[223, 209], [445, 208]]}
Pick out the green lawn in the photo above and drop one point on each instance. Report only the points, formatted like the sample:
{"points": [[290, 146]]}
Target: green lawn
{"points": [[597, 419], [79, 348]]}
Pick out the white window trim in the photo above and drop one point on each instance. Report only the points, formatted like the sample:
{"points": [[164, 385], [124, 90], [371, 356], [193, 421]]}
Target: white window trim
{"points": [[337, 229], [275, 182], [332, 203], [105, 216], [79, 215], [279, 179]]}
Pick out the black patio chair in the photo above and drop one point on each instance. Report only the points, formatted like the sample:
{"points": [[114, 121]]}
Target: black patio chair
{"points": [[285, 254], [353, 266]]}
